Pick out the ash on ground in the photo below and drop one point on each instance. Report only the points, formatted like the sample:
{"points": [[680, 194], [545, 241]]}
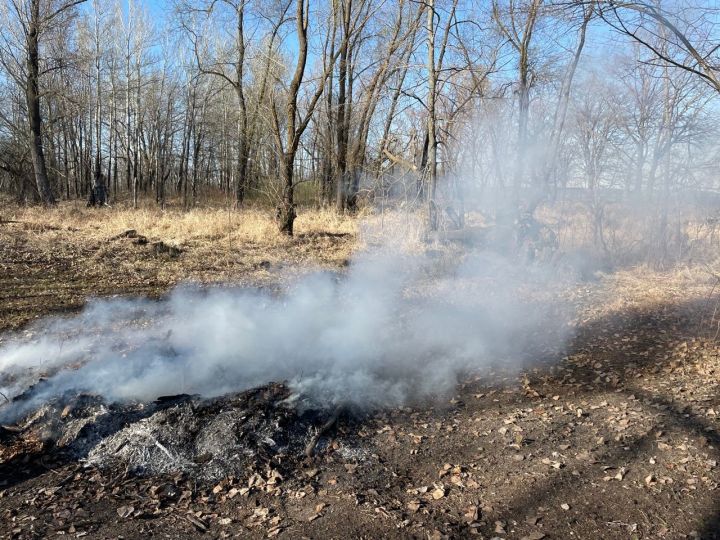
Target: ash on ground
{"points": [[210, 439]]}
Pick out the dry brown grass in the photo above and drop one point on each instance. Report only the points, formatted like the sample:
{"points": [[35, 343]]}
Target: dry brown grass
{"points": [[178, 226], [53, 259], [208, 237]]}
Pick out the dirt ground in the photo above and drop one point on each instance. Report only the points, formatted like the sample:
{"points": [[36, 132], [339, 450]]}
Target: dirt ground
{"points": [[619, 438]]}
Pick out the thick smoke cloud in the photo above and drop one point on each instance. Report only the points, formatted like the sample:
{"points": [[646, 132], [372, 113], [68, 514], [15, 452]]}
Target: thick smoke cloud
{"points": [[398, 327]]}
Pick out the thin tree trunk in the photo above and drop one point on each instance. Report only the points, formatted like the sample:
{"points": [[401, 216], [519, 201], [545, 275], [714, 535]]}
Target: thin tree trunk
{"points": [[431, 140], [342, 116], [98, 193]]}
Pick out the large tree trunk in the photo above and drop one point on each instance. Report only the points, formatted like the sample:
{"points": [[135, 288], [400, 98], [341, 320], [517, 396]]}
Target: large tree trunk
{"points": [[32, 94], [286, 211]]}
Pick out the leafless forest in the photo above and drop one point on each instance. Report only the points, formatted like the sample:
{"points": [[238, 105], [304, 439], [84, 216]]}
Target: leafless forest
{"points": [[360, 269], [336, 104]]}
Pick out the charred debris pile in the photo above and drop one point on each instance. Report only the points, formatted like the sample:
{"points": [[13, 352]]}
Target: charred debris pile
{"points": [[206, 438]]}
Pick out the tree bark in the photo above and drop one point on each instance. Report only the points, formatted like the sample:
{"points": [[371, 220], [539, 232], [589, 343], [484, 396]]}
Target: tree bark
{"points": [[242, 109], [98, 193], [32, 95], [341, 121], [286, 213]]}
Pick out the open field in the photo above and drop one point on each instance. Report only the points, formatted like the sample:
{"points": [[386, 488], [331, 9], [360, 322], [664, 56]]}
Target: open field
{"points": [[615, 436], [52, 260]]}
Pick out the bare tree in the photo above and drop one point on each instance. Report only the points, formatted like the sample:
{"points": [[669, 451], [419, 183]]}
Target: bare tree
{"points": [[563, 102], [431, 112], [690, 46], [393, 38], [295, 122], [98, 189], [517, 24], [27, 23]]}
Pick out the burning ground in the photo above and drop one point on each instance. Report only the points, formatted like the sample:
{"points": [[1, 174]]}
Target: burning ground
{"points": [[616, 431]]}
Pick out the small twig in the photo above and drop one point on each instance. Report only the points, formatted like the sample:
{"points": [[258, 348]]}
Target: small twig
{"points": [[167, 452], [199, 524], [310, 448], [6, 398]]}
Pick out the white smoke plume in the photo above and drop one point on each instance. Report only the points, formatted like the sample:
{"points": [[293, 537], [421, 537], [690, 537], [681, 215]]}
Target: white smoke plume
{"points": [[388, 332]]}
